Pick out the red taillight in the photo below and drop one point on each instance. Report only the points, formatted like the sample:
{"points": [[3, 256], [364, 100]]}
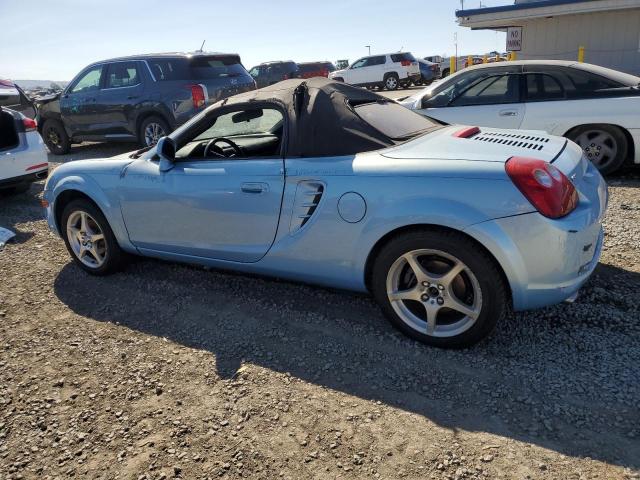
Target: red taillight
{"points": [[30, 125], [546, 187], [197, 94], [405, 63]]}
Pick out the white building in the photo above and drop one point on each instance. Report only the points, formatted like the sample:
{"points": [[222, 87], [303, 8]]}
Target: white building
{"points": [[609, 30]]}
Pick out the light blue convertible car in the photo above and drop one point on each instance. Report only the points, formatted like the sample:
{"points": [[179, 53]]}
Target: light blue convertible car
{"points": [[315, 181]]}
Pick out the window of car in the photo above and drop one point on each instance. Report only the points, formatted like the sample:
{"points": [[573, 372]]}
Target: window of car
{"points": [[254, 72], [378, 60], [577, 83], [122, 74], [196, 68], [399, 57], [257, 131], [359, 63], [89, 81], [394, 120], [233, 123], [491, 90], [541, 87]]}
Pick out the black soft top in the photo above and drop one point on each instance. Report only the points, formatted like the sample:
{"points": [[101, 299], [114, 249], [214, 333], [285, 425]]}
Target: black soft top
{"points": [[322, 120]]}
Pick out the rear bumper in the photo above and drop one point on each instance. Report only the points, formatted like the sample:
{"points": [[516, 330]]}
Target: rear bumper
{"points": [[546, 261], [23, 179]]}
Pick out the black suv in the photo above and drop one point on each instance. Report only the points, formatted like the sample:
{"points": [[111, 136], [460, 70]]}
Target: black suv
{"points": [[269, 73], [139, 98]]}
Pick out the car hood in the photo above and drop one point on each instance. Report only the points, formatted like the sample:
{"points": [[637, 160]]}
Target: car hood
{"points": [[488, 145], [337, 73]]}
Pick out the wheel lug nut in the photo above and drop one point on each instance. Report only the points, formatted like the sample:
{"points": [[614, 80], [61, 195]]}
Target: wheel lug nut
{"points": [[424, 298], [440, 287], [425, 284], [440, 300]]}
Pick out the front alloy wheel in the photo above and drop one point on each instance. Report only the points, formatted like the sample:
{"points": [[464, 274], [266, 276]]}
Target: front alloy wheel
{"points": [[86, 239], [89, 238]]}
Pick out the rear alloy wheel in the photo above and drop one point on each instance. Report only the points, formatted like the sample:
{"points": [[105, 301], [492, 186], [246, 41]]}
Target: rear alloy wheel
{"points": [[152, 129], [604, 145], [439, 288], [89, 238], [55, 137], [391, 82]]}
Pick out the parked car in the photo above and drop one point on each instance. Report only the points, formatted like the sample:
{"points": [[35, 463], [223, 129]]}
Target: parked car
{"points": [[594, 106], [342, 187], [14, 98], [390, 71], [428, 72], [139, 98], [24, 158], [315, 69], [269, 73]]}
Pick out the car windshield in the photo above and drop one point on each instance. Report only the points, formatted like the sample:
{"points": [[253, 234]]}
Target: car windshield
{"points": [[393, 120]]}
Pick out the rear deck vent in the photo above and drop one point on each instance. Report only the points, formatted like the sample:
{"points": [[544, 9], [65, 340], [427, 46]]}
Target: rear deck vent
{"points": [[532, 142], [308, 195]]}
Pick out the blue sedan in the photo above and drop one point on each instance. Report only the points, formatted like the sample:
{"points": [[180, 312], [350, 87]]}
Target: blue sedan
{"points": [[448, 227]]}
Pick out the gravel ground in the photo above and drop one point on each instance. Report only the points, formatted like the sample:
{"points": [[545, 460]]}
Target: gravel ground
{"points": [[167, 370]]}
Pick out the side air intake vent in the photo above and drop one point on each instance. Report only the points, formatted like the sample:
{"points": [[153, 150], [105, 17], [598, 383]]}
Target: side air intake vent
{"points": [[308, 195], [532, 142]]}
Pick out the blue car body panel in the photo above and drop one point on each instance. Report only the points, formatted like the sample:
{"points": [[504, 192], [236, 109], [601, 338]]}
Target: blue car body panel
{"points": [[256, 215]]}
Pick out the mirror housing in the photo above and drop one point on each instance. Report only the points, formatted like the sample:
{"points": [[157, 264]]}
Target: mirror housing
{"points": [[166, 151]]}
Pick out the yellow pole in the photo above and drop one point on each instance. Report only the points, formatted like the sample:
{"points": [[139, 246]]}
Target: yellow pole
{"points": [[513, 56], [469, 61], [452, 65], [581, 54], [485, 59]]}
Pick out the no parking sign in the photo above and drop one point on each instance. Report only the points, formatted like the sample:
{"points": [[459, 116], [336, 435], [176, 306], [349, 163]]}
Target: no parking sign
{"points": [[514, 39]]}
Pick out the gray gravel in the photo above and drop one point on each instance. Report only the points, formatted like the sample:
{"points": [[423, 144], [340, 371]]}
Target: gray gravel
{"points": [[167, 371]]}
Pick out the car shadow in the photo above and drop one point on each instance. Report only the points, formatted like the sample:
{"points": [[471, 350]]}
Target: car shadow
{"points": [[542, 378]]}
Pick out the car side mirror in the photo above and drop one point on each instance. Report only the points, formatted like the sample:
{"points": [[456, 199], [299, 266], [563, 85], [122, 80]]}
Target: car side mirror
{"points": [[166, 151]]}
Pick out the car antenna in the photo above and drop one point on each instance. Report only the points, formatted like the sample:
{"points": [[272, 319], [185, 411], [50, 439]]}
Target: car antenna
{"points": [[202, 46]]}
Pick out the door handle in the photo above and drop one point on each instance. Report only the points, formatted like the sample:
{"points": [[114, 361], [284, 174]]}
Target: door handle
{"points": [[132, 97], [254, 187], [508, 113]]}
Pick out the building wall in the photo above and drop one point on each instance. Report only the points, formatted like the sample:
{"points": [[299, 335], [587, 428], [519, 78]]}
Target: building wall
{"points": [[611, 39]]}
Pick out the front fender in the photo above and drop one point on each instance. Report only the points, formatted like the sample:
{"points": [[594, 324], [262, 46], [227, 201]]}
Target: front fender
{"points": [[58, 189]]}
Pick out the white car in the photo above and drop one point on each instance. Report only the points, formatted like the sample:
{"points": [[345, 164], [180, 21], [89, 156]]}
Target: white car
{"points": [[23, 158], [596, 107], [389, 70]]}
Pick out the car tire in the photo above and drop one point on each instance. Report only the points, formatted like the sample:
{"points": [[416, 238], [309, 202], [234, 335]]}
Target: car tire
{"points": [[55, 137], [463, 309], [445, 73], [151, 130], [605, 146], [89, 238], [391, 81]]}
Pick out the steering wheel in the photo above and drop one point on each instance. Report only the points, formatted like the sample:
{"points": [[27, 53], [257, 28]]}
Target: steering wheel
{"points": [[218, 152]]}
